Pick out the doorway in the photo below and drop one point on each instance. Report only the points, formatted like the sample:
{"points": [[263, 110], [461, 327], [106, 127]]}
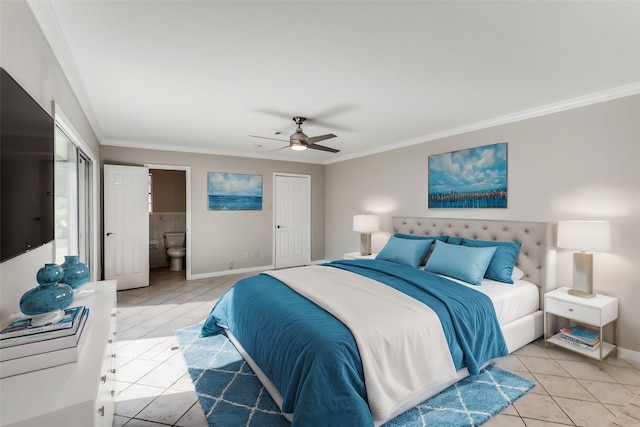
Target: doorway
{"points": [[169, 211]]}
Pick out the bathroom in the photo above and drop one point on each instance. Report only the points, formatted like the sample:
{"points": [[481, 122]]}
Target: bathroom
{"points": [[167, 214]]}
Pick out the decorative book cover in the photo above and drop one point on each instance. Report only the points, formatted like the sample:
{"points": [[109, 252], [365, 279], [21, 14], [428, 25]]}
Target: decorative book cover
{"points": [[43, 345], [23, 326], [582, 333]]}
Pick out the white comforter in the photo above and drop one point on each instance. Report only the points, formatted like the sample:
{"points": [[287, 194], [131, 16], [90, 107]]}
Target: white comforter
{"points": [[400, 340]]}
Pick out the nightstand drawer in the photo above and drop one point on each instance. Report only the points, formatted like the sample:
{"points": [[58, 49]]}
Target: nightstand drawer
{"points": [[577, 312]]}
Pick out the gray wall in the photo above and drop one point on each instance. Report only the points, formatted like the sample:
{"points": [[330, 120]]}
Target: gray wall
{"points": [[221, 237], [577, 164], [27, 57]]}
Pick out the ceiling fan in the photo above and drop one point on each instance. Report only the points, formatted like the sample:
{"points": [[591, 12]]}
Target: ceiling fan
{"points": [[299, 141]]}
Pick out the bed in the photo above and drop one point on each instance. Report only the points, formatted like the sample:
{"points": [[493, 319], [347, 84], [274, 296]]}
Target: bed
{"points": [[337, 344]]}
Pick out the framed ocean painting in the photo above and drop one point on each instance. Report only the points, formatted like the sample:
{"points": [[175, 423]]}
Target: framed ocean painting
{"points": [[234, 192], [470, 178]]}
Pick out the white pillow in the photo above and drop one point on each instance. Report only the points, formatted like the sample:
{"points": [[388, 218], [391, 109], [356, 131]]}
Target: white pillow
{"points": [[517, 274]]}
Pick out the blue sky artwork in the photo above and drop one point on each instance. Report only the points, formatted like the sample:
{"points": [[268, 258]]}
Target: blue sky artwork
{"points": [[234, 191], [474, 177]]}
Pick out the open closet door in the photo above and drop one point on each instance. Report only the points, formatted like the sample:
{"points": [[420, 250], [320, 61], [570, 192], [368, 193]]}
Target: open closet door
{"points": [[126, 225]]}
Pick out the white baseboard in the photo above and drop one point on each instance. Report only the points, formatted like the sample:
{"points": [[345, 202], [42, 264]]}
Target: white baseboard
{"points": [[624, 353]]}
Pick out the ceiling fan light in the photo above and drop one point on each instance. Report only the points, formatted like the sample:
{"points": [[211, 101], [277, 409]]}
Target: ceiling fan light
{"points": [[298, 146]]}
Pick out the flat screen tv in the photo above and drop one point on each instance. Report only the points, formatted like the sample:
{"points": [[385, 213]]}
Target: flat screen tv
{"points": [[26, 171]]}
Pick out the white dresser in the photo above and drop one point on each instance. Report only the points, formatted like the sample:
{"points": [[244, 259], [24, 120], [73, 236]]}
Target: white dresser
{"points": [[77, 394]]}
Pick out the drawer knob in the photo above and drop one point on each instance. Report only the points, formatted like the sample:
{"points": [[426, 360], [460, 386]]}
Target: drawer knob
{"points": [[103, 378], [571, 309], [113, 371], [101, 411]]}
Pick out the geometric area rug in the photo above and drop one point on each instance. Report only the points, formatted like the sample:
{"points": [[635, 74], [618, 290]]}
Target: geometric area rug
{"points": [[231, 395]]}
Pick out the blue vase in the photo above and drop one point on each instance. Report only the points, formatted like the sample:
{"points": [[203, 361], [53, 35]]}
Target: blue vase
{"points": [[49, 295], [76, 273]]}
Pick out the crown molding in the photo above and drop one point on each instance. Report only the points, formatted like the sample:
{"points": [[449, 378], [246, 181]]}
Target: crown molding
{"points": [[569, 104]]}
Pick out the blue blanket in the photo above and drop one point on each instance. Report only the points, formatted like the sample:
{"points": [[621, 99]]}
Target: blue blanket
{"points": [[312, 358]]}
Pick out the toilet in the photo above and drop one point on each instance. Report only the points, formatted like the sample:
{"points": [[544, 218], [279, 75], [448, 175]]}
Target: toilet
{"points": [[174, 243]]}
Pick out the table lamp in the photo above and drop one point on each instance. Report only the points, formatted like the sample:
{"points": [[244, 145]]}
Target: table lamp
{"points": [[365, 225], [587, 237]]}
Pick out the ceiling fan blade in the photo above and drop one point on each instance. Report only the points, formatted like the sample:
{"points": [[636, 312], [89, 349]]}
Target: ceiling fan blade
{"points": [[319, 138], [264, 137], [323, 148], [278, 149], [273, 113]]}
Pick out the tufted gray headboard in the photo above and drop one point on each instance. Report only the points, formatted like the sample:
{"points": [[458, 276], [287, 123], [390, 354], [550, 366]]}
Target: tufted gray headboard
{"points": [[537, 254]]}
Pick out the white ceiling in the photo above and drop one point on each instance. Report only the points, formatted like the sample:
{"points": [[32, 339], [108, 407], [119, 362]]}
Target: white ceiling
{"points": [[200, 76]]}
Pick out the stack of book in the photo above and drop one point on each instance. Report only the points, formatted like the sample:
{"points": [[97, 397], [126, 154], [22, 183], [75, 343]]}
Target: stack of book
{"points": [[25, 347], [580, 336]]}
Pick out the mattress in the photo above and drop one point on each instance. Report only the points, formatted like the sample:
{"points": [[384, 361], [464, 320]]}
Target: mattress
{"points": [[511, 302]]}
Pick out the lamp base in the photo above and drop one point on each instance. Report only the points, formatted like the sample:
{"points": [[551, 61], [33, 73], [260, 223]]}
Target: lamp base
{"points": [[580, 293], [365, 244], [582, 275]]}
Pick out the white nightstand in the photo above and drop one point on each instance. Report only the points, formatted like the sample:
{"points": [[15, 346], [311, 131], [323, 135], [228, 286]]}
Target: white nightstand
{"points": [[596, 312], [358, 255]]}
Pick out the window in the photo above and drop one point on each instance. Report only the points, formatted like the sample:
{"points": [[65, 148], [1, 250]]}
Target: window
{"points": [[73, 199]]}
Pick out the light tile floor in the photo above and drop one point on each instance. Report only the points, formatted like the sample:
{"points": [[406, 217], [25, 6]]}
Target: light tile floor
{"points": [[154, 389]]}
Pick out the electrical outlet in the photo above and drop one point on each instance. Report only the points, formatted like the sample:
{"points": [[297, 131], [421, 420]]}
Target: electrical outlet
{"points": [[257, 254], [230, 266], [246, 254]]}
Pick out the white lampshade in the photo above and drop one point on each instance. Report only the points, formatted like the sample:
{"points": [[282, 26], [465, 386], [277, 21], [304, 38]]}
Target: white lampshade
{"points": [[366, 223], [585, 236]]}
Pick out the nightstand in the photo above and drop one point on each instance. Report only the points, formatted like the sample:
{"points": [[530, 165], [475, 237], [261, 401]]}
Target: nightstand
{"points": [[358, 255], [596, 312]]}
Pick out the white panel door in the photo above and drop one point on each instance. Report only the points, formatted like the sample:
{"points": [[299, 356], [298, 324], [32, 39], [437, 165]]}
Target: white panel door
{"points": [[292, 221], [126, 225]]}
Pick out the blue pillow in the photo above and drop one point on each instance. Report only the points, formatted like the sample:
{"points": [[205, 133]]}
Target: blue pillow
{"points": [[501, 266], [460, 262], [405, 251], [416, 237], [454, 240]]}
